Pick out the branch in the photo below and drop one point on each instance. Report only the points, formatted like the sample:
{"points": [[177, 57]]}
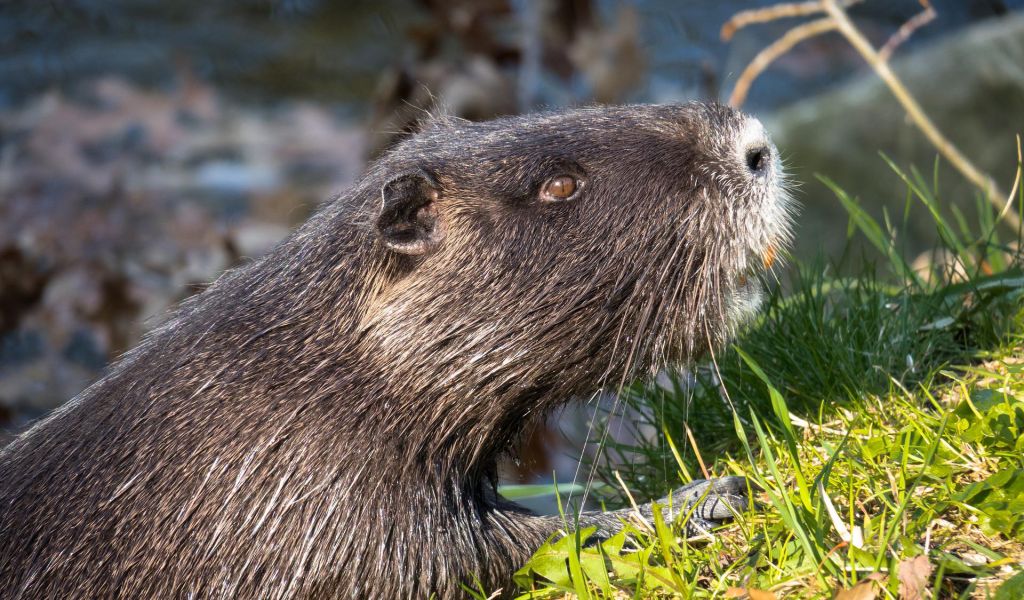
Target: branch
{"points": [[903, 33], [767, 56], [771, 13], [1013, 192], [835, 10]]}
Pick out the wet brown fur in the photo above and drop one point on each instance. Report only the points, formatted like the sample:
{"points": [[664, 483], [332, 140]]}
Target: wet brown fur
{"points": [[325, 422]]}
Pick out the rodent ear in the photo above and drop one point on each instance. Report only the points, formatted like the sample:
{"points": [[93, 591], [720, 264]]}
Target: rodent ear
{"points": [[409, 221]]}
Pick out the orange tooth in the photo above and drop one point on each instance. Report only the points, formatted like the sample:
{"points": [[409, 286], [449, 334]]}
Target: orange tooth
{"points": [[769, 256]]}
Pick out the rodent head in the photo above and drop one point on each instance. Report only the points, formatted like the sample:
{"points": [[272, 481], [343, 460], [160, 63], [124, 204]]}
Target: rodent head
{"points": [[574, 245]]}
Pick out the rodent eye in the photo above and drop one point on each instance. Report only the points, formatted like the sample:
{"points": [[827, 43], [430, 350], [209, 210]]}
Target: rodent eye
{"points": [[559, 188]]}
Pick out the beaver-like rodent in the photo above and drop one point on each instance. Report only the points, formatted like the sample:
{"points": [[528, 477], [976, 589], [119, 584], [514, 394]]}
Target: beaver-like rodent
{"points": [[325, 421]]}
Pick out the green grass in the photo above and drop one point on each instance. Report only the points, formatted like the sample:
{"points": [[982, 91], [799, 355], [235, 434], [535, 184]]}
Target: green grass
{"points": [[881, 413]]}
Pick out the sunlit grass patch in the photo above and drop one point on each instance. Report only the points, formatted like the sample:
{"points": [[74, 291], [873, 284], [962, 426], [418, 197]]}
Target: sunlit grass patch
{"points": [[883, 417]]}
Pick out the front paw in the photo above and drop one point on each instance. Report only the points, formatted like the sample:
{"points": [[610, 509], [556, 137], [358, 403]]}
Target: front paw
{"points": [[708, 502]]}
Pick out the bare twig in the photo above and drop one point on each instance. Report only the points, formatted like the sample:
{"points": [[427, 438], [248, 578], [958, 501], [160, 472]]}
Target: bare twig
{"points": [[903, 33], [837, 19], [989, 187], [1016, 183], [767, 56], [771, 13]]}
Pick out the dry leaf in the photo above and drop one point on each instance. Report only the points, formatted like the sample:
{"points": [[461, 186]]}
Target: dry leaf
{"points": [[867, 589], [914, 574]]}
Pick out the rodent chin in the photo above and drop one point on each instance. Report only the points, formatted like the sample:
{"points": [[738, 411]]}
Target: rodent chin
{"points": [[743, 302]]}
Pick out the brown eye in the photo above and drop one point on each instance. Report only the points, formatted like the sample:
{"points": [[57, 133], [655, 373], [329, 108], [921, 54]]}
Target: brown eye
{"points": [[559, 188]]}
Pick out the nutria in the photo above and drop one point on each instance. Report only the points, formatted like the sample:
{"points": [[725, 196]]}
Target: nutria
{"points": [[325, 422]]}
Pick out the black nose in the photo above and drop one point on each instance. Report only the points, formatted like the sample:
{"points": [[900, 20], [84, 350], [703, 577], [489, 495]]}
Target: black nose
{"points": [[759, 159]]}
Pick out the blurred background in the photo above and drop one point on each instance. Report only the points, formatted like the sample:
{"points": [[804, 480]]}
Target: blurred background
{"points": [[146, 146]]}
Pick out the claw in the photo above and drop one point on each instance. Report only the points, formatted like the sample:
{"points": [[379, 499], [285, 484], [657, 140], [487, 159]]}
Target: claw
{"points": [[716, 500], [708, 502]]}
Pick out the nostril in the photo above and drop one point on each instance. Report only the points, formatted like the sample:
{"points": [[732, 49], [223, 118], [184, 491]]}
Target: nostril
{"points": [[757, 159]]}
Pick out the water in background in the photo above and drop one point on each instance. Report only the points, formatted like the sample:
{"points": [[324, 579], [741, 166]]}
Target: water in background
{"points": [[335, 52]]}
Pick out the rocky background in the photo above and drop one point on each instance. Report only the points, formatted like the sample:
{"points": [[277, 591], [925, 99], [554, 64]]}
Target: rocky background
{"points": [[120, 202], [145, 146], [971, 84]]}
